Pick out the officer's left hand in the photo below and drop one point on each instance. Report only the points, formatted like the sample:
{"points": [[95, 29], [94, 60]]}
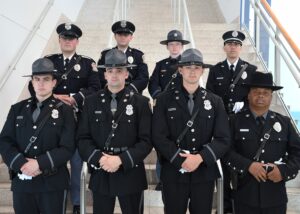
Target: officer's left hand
{"points": [[110, 163], [191, 162], [275, 174], [31, 168]]}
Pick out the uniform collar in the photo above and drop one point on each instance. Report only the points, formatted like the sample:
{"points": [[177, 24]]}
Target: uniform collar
{"points": [[235, 63], [70, 57]]}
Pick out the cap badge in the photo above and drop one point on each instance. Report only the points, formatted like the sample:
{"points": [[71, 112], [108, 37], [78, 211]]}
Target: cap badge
{"points": [[175, 34], [123, 23], [277, 127], [130, 59], [235, 34], [54, 114], [207, 105], [68, 26], [129, 109], [244, 75], [77, 67]]}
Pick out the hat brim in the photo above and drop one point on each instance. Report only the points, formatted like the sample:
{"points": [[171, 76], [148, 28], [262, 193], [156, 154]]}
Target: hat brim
{"points": [[272, 87], [117, 66], [183, 42], [194, 63], [125, 31], [54, 73], [69, 35]]}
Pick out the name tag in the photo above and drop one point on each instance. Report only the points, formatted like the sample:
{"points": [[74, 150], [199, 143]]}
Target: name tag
{"points": [[171, 109], [244, 130], [163, 71], [98, 112], [220, 78], [19, 117]]}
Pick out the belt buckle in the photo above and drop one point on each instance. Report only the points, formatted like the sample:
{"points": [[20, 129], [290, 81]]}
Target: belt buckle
{"points": [[64, 77], [114, 125], [267, 136], [33, 139]]}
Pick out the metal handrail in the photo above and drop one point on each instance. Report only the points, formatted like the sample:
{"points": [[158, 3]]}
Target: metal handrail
{"points": [[83, 176], [125, 4], [292, 65], [27, 41], [220, 189], [178, 7]]}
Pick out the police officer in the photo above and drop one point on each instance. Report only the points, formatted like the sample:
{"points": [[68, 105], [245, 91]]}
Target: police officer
{"points": [[165, 75], [265, 152], [138, 76], [114, 139], [224, 74], [37, 162], [221, 78], [190, 130]]}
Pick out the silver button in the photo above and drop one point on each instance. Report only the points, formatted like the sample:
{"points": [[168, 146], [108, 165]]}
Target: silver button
{"points": [[230, 99], [194, 148], [172, 117], [263, 151], [113, 135], [97, 120], [34, 127], [262, 161], [261, 139], [35, 147], [54, 123], [193, 139], [78, 77], [129, 121], [192, 130], [172, 83], [65, 87], [17, 125], [243, 138]]}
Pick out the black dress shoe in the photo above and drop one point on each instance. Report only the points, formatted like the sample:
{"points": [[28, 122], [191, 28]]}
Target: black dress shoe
{"points": [[76, 209]]}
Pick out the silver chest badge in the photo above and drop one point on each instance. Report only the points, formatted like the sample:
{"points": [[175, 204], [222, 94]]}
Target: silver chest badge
{"points": [[129, 109], [54, 114], [244, 75], [277, 127], [77, 67], [130, 59], [207, 104]]}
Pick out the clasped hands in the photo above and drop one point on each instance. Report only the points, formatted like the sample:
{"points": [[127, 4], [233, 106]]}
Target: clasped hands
{"points": [[191, 162], [110, 163], [31, 168], [260, 174]]}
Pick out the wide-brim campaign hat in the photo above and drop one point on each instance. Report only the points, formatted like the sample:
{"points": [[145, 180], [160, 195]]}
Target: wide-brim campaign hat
{"points": [[233, 36], [192, 56], [42, 66], [116, 59], [174, 36], [69, 30], [262, 80], [123, 26]]}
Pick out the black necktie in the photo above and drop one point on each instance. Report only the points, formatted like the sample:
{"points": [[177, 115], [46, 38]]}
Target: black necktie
{"points": [[260, 121], [191, 103], [113, 103], [231, 69], [36, 112], [67, 61]]}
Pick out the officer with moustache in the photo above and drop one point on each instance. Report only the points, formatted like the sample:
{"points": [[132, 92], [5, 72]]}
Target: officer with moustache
{"points": [[36, 142], [190, 130], [226, 78], [114, 139], [165, 75], [265, 152], [138, 77]]}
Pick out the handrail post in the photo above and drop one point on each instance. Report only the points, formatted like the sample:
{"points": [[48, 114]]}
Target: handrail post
{"points": [[220, 189], [257, 30], [83, 188]]}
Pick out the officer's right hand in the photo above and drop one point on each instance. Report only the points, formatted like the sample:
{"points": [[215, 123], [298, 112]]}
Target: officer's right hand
{"points": [[256, 169]]}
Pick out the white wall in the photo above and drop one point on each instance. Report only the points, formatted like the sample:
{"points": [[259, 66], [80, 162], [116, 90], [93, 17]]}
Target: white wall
{"points": [[16, 23], [230, 9]]}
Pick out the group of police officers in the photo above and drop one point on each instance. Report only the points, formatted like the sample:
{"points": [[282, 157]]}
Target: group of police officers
{"points": [[96, 113]]}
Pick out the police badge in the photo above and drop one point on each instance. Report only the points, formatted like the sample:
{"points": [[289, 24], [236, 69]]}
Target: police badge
{"points": [[123, 23], [234, 34], [68, 26], [54, 114], [129, 110], [77, 67], [244, 75], [277, 127], [130, 59], [207, 105]]}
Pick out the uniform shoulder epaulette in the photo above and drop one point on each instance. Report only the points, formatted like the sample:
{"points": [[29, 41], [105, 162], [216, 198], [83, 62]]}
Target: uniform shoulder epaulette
{"points": [[87, 57], [52, 55], [137, 51]]}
